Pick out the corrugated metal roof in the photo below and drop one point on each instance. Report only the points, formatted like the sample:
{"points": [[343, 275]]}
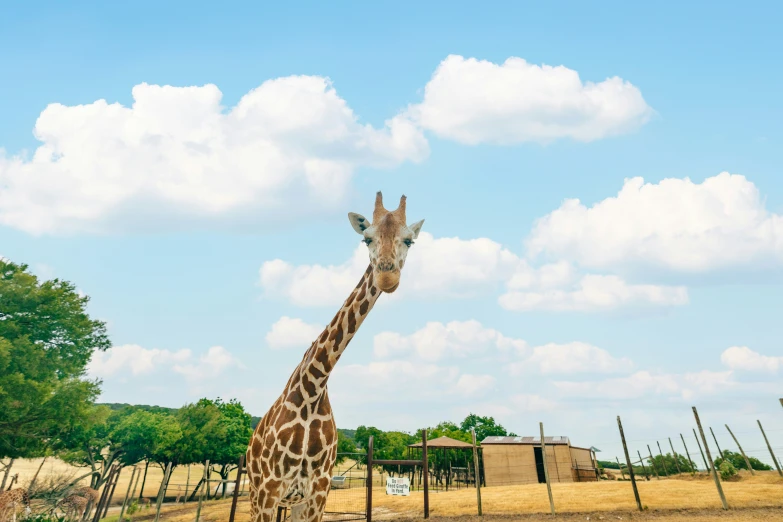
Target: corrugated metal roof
{"points": [[525, 440]]}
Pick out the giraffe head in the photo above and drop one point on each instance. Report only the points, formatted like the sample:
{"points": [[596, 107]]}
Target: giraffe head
{"points": [[388, 239]]}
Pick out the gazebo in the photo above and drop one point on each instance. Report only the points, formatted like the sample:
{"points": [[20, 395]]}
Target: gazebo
{"points": [[452, 464]]}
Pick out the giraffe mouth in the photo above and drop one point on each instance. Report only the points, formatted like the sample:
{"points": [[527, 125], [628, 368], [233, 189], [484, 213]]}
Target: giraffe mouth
{"points": [[388, 281], [392, 289]]}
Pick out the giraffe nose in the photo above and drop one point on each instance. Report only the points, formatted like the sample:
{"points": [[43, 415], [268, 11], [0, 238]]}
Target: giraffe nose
{"points": [[385, 266]]}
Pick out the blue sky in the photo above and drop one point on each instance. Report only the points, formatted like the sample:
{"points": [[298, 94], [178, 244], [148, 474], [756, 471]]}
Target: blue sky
{"points": [[518, 303]]}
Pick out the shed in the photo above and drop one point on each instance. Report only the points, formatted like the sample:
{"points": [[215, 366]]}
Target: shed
{"points": [[519, 460]]}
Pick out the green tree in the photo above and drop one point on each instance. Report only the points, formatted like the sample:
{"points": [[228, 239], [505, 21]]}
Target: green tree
{"points": [[737, 460], [143, 435], [46, 342], [91, 445], [485, 427], [345, 445], [215, 430], [669, 464]]}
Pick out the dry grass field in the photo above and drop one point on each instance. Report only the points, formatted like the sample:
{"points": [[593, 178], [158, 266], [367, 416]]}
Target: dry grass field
{"points": [[27, 468], [684, 498], [750, 498]]}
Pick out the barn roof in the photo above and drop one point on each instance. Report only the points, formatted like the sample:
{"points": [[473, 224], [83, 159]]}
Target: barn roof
{"points": [[443, 442], [525, 440]]}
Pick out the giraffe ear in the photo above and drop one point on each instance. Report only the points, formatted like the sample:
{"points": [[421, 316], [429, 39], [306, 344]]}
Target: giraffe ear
{"points": [[358, 222], [416, 228]]}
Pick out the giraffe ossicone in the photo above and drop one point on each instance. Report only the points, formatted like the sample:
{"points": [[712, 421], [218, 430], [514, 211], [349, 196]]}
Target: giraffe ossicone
{"points": [[292, 452]]}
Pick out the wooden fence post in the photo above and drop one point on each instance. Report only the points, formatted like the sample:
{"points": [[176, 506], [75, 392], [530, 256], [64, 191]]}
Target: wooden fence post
{"points": [[663, 459], [201, 496], [426, 474], [712, 465], [706, 466], [688, 453], [647, 475], [127, 494], [676, 458], [476, 472], [747, 462], [716, 443], [630, 466], [369, 479], [111, 493], [135, 485], [187, 486], [236, 488], [652, 463], [621, 467], [546, 471], [162, 492], [769, 447]]}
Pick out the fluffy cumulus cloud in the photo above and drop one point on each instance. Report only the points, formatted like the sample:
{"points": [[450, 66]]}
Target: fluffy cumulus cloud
{"points": [[119, 361], [743, 358], [644, 383], [574, 357], [443, 266], [593, 292], [461, 268], [437, 341], [476, 101], [133, 359], [676, 223], [177, 156], [209, 365], [289, 332]]}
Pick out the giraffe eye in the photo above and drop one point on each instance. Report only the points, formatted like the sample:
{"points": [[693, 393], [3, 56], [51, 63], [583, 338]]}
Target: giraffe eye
{"points": [[367, 241], [408, 242]]}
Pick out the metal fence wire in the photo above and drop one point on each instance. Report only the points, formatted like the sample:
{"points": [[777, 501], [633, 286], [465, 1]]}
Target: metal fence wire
{"points": [[347, 498]]}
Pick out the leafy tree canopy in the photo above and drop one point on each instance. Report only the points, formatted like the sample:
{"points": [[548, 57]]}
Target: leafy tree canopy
{"points": [[46, 341], [738, 461]]}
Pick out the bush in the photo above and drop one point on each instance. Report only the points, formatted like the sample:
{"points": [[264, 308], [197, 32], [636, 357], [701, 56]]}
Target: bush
{"points": [[727, 470], [46, 517]]}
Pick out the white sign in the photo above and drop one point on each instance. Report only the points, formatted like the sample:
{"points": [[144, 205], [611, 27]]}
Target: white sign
{"points": [[398, 486]]}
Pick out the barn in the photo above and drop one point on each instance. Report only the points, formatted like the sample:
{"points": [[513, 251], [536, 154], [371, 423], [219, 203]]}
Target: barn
{"points": [[519, 460]]}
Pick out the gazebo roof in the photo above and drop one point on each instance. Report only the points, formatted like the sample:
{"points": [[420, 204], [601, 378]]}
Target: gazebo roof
{"points": [[443, 442]]}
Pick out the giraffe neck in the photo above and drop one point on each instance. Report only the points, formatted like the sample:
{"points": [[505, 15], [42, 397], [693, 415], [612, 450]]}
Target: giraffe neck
{"points": [[319, 361]]}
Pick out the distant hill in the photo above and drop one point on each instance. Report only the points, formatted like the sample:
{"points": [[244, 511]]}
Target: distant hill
{"points": [[145, 407], [171, 411]]}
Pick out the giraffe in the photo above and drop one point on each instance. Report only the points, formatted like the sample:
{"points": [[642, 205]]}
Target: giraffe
{"points": [[10, 500], [75, 503], [292, 452]]}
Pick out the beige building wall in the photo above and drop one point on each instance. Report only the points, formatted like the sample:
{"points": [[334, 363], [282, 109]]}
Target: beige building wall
{"points": [[506, 464], [582, 456], [563, 462]]}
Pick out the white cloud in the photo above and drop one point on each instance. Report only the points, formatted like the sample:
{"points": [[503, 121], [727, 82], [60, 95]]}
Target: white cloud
{"points": [[644, 383], [177, 157], [473, 385], [133, 358], [445, 266], [743, 358], [574, 357], [531, 403], [290, 332], [209, 366], [437, 341], [675, 223], [476, 101], [460, 268], [595, 292]]}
